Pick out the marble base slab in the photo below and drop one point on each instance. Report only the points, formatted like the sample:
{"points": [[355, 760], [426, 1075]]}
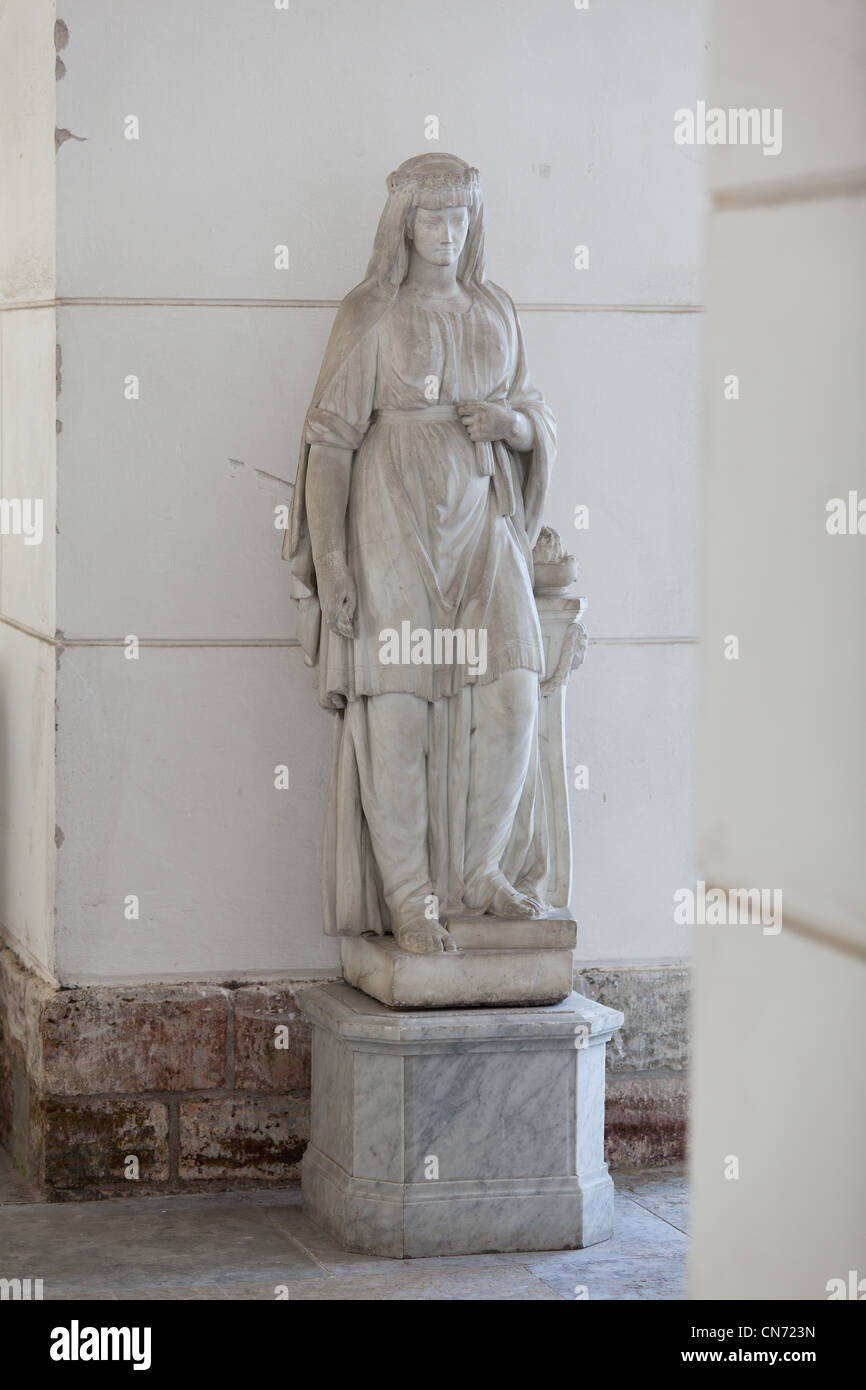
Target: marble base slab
{"points": [[500, 962], [457, 1132]]}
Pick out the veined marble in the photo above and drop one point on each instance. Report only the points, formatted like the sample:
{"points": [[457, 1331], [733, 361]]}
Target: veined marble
{"points": [[457, 1131]]}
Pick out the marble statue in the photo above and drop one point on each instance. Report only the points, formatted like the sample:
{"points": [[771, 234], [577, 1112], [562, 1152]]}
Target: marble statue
{"points": [[425, 462], [441, 617]]}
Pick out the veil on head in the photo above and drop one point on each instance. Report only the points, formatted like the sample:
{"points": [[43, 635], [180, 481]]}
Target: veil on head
{"points": [[427, 181]]}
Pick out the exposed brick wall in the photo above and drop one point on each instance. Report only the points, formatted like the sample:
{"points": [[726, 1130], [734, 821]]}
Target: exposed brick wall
{"points": [[646, 1102], [196, 1083], [187, 1086], [646, 1119]]}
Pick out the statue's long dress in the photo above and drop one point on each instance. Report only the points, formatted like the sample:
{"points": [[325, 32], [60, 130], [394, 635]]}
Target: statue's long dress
{"points": [[436, 536]]}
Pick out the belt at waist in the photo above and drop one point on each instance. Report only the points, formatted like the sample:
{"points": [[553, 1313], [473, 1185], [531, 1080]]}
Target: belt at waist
{"points": [[421, 415]]}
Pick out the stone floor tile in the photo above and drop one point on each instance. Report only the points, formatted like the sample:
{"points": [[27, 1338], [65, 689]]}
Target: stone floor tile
{"points": [[242, 1245], [147, 1242], [618, 1277], [662, 1191], [183, 1293], [478, 1283], [99, 1297]]}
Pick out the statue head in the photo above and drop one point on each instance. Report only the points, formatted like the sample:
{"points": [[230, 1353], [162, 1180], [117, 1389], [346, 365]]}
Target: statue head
{"points": [[436, 200], [438, 235]]}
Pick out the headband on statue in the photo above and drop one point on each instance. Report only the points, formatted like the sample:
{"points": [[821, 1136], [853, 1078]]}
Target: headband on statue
{"points": [[439, 173]]}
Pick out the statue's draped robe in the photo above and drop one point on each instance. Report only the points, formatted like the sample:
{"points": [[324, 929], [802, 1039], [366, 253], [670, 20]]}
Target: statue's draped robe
{"points": [[439, 534]]}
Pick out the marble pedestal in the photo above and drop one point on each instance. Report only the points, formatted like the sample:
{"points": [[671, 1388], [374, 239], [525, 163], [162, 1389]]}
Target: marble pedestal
{"points": [[457, 1132], [500, 962]]}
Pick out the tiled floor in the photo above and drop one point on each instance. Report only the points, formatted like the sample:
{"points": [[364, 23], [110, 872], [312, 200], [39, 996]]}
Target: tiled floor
{"points": [[248, 1244]]}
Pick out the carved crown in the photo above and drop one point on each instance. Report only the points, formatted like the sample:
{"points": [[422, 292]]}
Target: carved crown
{"points": [[411, 178]]}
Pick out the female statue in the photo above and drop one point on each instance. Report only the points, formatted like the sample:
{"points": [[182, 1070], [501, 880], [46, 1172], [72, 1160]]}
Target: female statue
{"points": [[423, 471]]}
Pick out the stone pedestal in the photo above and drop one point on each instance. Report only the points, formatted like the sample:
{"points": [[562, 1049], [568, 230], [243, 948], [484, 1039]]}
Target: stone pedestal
{"points": [[500, 962], [457, 1132]]}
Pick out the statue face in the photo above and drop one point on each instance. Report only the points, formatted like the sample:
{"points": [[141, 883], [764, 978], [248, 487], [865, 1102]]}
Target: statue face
{"points": [[439, 237]]}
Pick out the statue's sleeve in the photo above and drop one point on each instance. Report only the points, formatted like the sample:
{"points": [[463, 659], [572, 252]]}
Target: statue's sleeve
{"points": [[341, 416]]}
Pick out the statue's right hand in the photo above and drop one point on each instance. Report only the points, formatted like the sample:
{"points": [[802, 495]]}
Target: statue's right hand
{"points": [[339, 596]]}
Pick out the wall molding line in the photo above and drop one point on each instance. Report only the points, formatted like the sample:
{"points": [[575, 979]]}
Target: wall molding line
{"points": [[180, 642], [830, 938], [28, 631], [61, 640], [182, 302], [806, 188], [216, 642]]}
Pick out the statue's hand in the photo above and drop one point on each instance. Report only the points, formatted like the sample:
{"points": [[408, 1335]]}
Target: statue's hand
{"points": [[338, 594], [486, 421]]}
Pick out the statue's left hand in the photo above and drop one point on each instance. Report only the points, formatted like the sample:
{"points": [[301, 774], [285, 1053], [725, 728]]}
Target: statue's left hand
{"points": [[486, 421]]}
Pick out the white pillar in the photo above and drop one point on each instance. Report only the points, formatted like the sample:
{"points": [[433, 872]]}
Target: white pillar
{"points": [[779, 1116]]}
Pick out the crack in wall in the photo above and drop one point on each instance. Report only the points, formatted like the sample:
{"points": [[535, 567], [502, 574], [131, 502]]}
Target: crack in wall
{"points": [[61, 39], [61, 135]]}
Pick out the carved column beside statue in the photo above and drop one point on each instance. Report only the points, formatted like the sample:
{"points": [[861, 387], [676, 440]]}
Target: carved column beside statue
{"points": [[458, 1083]]}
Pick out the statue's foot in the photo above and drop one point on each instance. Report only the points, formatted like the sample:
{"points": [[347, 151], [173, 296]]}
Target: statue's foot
{"points": [[508, 902], [537, 902], [424, 937]]}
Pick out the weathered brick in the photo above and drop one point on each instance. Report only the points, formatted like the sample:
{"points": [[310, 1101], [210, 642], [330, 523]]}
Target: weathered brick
{"points": [[243, 1136], [655, 1002], [259, 1064], [7, 1090], [147, 1038], [646, 1120], [88, 1140], [23, 996]]}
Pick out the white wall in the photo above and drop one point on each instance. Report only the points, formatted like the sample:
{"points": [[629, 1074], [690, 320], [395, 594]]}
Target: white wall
{"points": [[27, 240], [778, 1019], [27, 471], [260, 127]]}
